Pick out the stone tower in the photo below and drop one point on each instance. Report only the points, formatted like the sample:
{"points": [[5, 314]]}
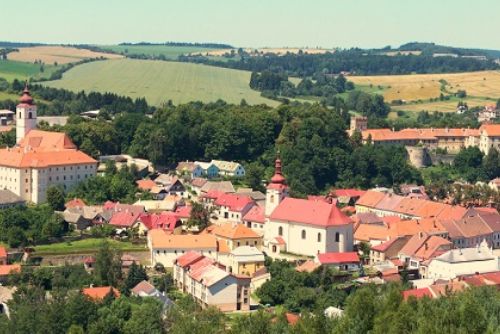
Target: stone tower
{"points": [[25, 115], [358, 123], [277, 189]]}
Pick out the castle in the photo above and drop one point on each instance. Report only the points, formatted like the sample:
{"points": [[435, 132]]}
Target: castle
{"points": [[40, 159]]}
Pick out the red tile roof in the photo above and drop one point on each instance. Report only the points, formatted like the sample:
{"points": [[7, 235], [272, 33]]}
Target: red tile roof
{"points": [[255, 214], [189, 258], [233, 201], [99, 293], [146, 184], [309, 266], [309, 212], [198, 182], [184, 211], [3, 252], [8, 269], [119, 207], [75, 203], [165, 220], [370, 198], [124, 219], [348, 192], [334, 258], [417, 293], [240, 231], [291, 318], [492, 130], [384, 246]]}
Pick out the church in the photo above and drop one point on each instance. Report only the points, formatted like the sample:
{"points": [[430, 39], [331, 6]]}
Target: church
{"points": [[40, 159], [303, 226]]}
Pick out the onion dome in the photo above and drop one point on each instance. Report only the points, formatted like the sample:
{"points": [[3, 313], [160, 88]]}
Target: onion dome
{"points": [[278, 177], [26, 97]]}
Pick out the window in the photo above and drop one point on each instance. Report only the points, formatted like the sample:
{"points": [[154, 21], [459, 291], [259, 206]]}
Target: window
{"points": [[303, 234], [280, 231], [271, 199], [319, 237], [30, 115], [337, 236], [19, 115]]}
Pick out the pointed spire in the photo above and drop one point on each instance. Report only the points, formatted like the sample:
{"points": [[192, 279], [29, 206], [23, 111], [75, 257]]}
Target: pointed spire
{"points": [[278, 177], [26, 97]]}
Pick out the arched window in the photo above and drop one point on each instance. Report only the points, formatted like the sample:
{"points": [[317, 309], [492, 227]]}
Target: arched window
{"points": [[280, 230], [30, 115], [319, 237], [337, 236], [303, 234]]}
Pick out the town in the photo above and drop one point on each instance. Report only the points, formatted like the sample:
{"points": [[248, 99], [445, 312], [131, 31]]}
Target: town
{"points": [[276, 168]]}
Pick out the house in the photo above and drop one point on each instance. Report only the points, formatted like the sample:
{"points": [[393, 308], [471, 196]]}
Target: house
{"points": [[255, 219], [495, 184], [99, 293], [413, 190], [76, 220], [119, 207], [209, 169], [124, 219], [463, 261], [232, 207], [158, 206], [258, 197], [168, 185], [197, 184], [473, 228], [417, 293], [301, 226], [489, 137], [75, 203], [41, 158], [488, 114], [236, 235], [8, 199], [165, 248], [347, 261], [308, 266], [229, 168], [167, 221], [210, 285], [218, 186], [190, 169], [145, 184], [422, 247], [145, 289], [3, 256], [246, 260], [347, 196], [6, 270], [387, 250]]}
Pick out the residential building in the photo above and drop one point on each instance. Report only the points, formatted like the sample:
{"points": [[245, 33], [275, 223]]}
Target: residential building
{"points": [[209, 169], [145, 289], [6, 270], [190, 169], [489, 137], [229, 168], [387, 250], [219, 186], [143, 167], [167, 221], [40, 159], [145, 184], [421, 248], [347, 196], [463, 261], [99, 293], [346, 261], [232, 207], [489, 113], [301, 226], [246, 260], [168, 185], [8, 199], [210, 285], [255, 219], [165, 248], [197, 184]]}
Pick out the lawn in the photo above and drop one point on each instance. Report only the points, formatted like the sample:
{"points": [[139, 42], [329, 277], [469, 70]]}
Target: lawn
{"points": [[85, 246], [160, 81], [11, 70], [424, 86], [168, 51]]}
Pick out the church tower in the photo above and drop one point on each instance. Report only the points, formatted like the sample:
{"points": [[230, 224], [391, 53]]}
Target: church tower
{"points": [[25, 115], [277, 189]]}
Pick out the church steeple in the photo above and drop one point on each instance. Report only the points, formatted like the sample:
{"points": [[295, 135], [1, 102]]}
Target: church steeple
{"points": [[25, 114], [277, 189]]}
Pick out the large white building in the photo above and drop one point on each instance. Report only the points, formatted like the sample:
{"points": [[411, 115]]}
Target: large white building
{"points": [[40, 159], [301, 226]]}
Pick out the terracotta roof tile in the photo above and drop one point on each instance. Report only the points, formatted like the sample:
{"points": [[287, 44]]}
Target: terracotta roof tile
{"points": [[239, 231], [334, 258], [3, 252], [417, 293], [255, 214], [160, 239], [7, 269], [99, 293]]}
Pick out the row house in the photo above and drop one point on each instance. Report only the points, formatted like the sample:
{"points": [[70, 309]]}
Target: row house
{"points": [[209, 284], [232, 207]]}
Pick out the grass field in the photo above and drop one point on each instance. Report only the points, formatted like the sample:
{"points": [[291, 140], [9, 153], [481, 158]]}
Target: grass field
{"points": [[444, 106], [11, 70], [425, 86], [160, 81], [7, 96], [59, 54], [169, 52], [85, 246]]}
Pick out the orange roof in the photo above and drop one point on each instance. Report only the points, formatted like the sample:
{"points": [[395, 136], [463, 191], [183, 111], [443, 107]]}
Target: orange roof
{"points": [[240, 231], [3, 252], [400, 228], [8, 269], [418, 134], [492, 130], [47, 141], [223, 247], [160, 239], [417, 293], [145, 184], [100, 293], [309, 266], [370, 198], [75, 203], [424, 246], [19, 158]]}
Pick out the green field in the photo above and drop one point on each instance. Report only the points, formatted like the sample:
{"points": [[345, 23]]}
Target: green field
{"points": [[85, 246], [169, 52], [160, 81], [11, 70]]}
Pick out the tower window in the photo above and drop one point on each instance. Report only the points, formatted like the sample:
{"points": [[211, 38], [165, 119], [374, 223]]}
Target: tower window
{"points": [[319, 237], [280, 230], [303, 234], [337, 237]]}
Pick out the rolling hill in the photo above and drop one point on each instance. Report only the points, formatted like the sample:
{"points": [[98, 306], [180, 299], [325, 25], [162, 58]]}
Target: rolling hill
{"points": [[160, 81]]}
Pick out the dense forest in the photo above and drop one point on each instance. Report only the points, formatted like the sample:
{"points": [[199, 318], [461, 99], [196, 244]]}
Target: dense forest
{"points": [[354, 61]]}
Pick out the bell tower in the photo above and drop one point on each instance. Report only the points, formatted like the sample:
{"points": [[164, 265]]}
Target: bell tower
{"points": [[25, 115], [277, 189]]}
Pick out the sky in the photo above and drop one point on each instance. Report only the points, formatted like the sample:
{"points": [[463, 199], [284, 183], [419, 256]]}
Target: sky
{"points": [[254, 23]]}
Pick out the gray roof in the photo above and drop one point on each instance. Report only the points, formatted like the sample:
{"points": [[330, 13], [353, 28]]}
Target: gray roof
{"points": [[8, 197], [223, 186], [255, 195], [479, 253]]}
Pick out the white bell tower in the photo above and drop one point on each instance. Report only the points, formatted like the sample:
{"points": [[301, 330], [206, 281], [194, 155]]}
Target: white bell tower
{"points": [[25, 115], [277, 189]]}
